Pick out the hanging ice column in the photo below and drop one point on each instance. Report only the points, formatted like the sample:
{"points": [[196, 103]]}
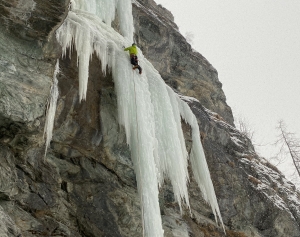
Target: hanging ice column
{"points": [[51, 108], [147, 108]]}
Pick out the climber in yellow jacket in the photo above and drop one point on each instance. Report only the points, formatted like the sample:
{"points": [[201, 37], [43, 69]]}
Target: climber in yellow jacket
{"points": [[133, 57]]}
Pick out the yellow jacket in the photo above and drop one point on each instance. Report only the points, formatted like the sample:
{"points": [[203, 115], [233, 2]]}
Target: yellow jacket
{"points": [[132, 50]]}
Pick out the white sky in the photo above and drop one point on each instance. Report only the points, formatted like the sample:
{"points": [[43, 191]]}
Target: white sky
{"points": [[255, 47]]}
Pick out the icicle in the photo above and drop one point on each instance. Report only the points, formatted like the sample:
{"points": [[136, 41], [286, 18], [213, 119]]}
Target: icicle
{"points": [[89, 34], [198, 161], [51, 108]]}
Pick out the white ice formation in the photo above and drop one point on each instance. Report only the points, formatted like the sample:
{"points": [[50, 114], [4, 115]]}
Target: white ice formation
{"points": [[49, 123], [148, 109]]}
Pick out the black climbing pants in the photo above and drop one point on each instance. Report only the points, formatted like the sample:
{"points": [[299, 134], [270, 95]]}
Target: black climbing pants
{"points": [[134, 62]]}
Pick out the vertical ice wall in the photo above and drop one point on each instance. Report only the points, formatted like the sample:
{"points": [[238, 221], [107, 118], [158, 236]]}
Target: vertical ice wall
{"points": [[148, 109], [136, 114], [170, 151]]}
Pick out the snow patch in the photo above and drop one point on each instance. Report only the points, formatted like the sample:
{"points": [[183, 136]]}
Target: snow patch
{"points": [[236, 141], [275, 188], [188, 98]]}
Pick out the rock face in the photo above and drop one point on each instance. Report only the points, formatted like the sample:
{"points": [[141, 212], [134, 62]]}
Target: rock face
{"points": [[85, 185], [182, 68]]}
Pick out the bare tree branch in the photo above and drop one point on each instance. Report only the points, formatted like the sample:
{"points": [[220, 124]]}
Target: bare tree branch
{"points": [[289, 144], [244, 127]]}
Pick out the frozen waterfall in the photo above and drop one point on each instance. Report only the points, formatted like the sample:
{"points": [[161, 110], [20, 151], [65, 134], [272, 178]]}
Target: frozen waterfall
{"points": [[148, 109]]}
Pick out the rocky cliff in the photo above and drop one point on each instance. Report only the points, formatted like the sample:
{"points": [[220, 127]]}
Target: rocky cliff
{"points": [[85, 185]]}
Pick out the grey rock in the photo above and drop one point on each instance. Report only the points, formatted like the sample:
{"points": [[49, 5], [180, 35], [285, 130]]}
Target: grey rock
{"points": [[8, 172], [85, 186], [8, 227]]}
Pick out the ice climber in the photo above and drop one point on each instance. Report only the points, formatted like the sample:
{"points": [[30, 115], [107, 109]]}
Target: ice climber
{"points": [[133, 57]]}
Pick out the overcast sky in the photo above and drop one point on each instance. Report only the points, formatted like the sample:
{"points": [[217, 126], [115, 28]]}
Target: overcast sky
{"points": [[255, 47]]}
